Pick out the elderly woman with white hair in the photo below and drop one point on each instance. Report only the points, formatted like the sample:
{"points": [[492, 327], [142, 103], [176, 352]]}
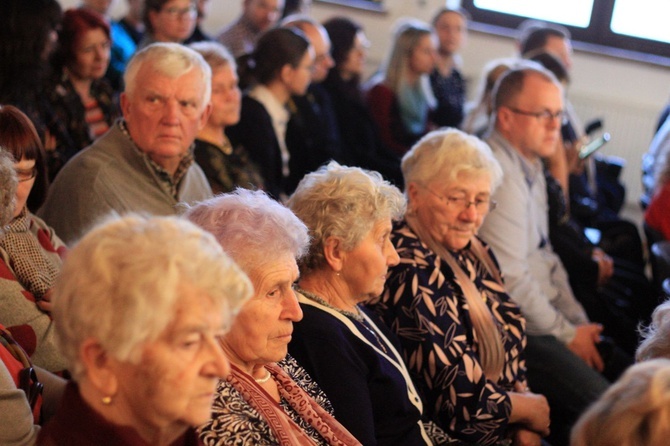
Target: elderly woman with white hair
{"points": [[140, 305], [634, 411], [461, 334], [226, 166], [268, 399], [349, 212]]}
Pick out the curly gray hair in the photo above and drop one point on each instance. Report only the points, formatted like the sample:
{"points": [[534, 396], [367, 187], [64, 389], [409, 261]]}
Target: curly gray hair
{"points": [[343, 202], [8, 184]]}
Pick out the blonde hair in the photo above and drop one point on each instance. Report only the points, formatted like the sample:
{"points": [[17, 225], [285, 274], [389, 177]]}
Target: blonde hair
{"points": [[343, 202], [406, 37], [634, 411], [122, 282], [215, 54]]}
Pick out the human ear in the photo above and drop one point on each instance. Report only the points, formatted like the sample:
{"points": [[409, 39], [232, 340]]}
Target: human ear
{"points": [[100, 370], [332, 251]]}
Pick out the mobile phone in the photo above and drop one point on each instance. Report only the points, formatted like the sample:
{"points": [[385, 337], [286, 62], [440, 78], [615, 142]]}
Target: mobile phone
{"points": [[590, 148]]}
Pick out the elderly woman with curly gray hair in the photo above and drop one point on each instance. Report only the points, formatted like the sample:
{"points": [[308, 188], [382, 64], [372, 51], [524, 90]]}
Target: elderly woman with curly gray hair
{"points": [[349, 212], [268, 399], [461, 334], [140, 306]]}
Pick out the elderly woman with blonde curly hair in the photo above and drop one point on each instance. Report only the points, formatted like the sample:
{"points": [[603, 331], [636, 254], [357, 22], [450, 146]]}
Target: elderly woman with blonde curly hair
{"points": [[268, 399], [140, 306], [634, 411], [461, 334], [353, 358]]}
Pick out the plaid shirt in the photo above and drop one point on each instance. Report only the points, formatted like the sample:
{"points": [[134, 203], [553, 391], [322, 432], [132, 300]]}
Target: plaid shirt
{"points": [[170, 181]]}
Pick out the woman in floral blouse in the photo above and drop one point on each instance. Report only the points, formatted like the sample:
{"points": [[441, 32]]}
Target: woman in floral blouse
{"points": [[462, 337]]}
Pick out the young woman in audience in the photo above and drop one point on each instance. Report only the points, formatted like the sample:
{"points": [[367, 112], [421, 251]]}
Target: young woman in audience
{"points": [[461, 334], [634, 411], [30, 253], [400, 96], [279, 67], [28, 394], [168, 21], [353, 358], [361, 143], [79, 93], [656, 214], [140, 305], [268, 399], [225, 166]]}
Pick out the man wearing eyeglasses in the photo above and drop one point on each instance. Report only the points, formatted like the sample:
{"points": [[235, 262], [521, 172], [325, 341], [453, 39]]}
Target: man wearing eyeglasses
{"points": [[562, 356]]}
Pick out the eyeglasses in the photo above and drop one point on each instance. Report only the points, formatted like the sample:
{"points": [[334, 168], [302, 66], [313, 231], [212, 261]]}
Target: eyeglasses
{"points": [[545, 116], [174, 12], [25, 175], [460, 204]]}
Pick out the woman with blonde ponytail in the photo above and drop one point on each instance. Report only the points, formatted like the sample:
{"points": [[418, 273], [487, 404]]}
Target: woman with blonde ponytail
{"points": [[461, 334]]}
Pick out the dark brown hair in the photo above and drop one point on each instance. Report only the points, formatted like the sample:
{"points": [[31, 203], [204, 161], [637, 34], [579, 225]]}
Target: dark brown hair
{"points": [[19, 137]]}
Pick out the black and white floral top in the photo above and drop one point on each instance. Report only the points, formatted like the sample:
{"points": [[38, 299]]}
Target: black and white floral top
{"points": [[235, 422], [424, 304]]}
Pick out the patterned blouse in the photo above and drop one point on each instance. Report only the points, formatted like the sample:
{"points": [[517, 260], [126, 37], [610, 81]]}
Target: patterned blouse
{"points": [[235, 422], [69, 109], [424, 305]]}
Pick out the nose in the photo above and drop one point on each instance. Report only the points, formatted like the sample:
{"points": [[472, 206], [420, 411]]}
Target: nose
{"points": [[470, 212], [171, 112], [101, 53], [217, 364], [392, 257], [291, 310], [329, 62]]}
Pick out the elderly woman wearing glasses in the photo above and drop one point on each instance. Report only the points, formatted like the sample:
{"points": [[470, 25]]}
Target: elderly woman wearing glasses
{"points": [[30, 252], [461, 335]]}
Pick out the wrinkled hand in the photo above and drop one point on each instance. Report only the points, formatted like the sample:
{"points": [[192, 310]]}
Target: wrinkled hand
{"points": [[605, 265], [538, 421], [45, 304], [525, 437], [584, 345]]}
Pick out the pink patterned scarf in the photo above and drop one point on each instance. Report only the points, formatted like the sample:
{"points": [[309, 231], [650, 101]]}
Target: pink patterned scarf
{"points": [[286, 430]]}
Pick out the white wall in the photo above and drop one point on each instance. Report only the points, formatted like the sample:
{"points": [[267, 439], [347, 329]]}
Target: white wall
{"points": [[604, 87]]}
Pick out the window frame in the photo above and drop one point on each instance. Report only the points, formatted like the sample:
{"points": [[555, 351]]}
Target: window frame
{"points": [[596, 38]]}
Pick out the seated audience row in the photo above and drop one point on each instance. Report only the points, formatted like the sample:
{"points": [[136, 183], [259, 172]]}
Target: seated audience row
{"points": [[29, 394], [30, 252]]}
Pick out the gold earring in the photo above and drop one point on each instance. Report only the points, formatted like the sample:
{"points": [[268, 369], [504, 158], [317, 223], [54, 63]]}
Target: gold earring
{"points": [[106, 400]]}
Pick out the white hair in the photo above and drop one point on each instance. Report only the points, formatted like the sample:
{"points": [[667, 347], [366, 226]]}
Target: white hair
{"points": [[122, 282]]}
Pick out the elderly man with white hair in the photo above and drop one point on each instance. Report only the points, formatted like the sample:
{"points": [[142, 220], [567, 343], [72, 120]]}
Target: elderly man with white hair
{"points": [[144, 163]]}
